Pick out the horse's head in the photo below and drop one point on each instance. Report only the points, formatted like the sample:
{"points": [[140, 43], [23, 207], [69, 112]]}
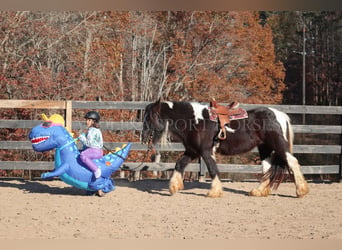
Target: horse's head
{"points": [[154, 125], [47, 136]]}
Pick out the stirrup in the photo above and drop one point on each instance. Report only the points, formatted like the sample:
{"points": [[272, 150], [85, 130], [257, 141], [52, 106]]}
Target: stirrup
{"points": [[222, 135]]}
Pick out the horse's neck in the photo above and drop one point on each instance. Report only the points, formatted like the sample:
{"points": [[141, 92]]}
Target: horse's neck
{"points": [[172, 114]]}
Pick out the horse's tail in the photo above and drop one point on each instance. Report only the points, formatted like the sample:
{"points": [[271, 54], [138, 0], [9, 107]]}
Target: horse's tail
{"points": [[277, 173], [280, 168]]}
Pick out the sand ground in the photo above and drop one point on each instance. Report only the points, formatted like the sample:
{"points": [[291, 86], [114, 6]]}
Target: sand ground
{"points": [[145, 210]]}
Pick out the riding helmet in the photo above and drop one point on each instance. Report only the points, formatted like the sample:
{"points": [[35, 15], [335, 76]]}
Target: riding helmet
{"points": [[92, 115]]}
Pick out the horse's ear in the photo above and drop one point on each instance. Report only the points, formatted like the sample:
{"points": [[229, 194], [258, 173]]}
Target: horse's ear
{"points": [[158, 101], [157, 106]]}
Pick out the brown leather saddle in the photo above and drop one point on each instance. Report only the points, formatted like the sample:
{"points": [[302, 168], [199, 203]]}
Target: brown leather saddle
{"points": [[225, 114]]}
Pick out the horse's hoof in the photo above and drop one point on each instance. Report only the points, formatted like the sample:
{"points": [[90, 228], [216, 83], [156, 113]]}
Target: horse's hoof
{"points": [[255, 192], [265, 192], [302, 190], [175, 188], [172, 190], [215, 194], [176, 184], [260, 193]]}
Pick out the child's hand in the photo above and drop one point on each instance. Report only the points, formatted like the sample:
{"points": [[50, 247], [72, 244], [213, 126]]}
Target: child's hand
{"points": [[81, 132]]}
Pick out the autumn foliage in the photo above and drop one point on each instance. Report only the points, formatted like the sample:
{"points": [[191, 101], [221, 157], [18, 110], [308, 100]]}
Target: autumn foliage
{"points": [[139, 56]]}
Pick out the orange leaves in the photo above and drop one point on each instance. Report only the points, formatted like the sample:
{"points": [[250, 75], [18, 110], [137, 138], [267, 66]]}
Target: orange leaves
{"points": [[140, 56], [226, 55]]}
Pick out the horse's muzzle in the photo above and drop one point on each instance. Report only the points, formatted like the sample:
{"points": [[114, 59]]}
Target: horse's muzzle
{"points": [[146, 136]]}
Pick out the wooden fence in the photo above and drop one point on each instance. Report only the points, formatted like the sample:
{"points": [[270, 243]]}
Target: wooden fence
{"points": [[69, 106]]}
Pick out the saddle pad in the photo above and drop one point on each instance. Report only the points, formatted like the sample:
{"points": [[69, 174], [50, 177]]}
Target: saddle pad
{"points": [[242, 114]]}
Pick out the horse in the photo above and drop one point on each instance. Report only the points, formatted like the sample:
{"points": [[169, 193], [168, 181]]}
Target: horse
{"points": [[266, 128], [51, 135]]}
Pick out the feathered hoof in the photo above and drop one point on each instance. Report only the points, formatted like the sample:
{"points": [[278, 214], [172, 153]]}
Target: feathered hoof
{"points": [[302, 190], [258, 193], [176, 183], [175, 187], [215, 193], [255, 192]]}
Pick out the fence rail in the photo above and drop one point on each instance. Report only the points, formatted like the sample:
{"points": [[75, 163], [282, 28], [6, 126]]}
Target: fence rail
{"points": [[69, 106]]}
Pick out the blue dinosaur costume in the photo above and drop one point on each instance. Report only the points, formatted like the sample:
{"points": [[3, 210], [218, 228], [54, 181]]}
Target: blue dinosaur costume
{"points": [[53, 135]]}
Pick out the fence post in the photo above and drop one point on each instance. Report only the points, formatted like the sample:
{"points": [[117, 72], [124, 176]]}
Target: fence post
{"points": [[68, 115]]}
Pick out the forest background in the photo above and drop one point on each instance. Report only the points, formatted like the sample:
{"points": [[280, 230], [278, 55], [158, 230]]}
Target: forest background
{"points": [[247, 56]]}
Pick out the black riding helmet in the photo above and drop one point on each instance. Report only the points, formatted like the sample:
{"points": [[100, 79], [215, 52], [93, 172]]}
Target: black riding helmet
{"points": [[92, 115]]}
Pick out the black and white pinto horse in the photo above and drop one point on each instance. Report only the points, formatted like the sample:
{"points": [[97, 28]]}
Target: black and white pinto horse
{"points": [[265, 128]]}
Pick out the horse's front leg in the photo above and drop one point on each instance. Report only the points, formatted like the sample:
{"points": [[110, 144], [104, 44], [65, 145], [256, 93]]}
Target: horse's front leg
{"points": [[56, 172], [216, 185], [176, 181]]}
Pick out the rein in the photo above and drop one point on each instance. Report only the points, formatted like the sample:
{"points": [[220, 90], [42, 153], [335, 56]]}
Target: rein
{"points": [[67, 144], [112, 152], [144, 157]]}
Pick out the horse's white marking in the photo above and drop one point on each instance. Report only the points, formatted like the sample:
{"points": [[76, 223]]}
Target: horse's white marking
{"points": [[198, 109], [164, 137], [216, 188], [283, 119], [170, 104], [213, 153], [176, 182], [266, 164], [292, 162], [301, 184], [295, 167]]}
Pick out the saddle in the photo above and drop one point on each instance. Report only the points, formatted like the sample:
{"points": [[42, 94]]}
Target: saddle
{"points": [[225, 114]]}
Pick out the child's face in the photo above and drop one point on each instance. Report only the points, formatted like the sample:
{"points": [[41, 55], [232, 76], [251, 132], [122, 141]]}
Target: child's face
{"points": [[89, 122]]}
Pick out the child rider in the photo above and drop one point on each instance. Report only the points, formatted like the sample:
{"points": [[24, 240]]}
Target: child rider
{"points": [[93, 142]]}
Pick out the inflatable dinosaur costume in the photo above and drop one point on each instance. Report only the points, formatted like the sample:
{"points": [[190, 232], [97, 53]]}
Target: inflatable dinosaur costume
{"points": [[52, 134]]}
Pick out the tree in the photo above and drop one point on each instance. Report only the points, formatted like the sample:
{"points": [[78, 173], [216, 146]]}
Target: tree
{"points": [[322, 33], [139, 56], [199, 55]]}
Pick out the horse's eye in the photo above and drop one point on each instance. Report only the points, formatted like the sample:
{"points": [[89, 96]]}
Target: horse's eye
{"points": [[46, 124]]}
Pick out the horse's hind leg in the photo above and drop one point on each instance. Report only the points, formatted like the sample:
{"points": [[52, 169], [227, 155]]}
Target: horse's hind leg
{"points": [[300, 182], [264, 188], [176, 181]]}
